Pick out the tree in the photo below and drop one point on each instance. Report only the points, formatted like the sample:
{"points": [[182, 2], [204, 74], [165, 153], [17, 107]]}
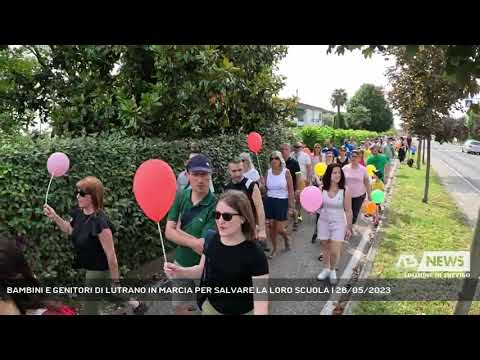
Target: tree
{"points": [[449, 128], [359, 117], [473, 123], [462, 62], [154, 90], [371, 97], [328, 119], [423, 95], [18, 93], [338, 99]]}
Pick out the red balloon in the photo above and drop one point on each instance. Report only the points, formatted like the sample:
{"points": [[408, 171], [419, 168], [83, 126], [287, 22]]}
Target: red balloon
{"points": [[254, 141], [154, 186]]}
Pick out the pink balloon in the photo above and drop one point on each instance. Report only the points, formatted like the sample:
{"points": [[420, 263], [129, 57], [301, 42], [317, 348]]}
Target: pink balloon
{"points": [[311, 198], [58, 164]]}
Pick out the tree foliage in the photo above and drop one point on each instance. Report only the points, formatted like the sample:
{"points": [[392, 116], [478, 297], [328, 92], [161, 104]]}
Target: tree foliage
{"points": [[149, 90], [359, 117], [379, 116], [462, 62], [420, 92]]}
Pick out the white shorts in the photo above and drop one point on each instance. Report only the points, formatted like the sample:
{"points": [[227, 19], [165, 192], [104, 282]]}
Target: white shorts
{"points": [[331, 230]]}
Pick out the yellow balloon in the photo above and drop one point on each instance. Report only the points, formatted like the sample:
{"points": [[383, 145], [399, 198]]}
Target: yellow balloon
{"points": [[371, 169], [320, 169]]}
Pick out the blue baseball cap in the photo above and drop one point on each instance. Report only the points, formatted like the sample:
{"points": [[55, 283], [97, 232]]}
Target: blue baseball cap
{"points": [[199, 163]]}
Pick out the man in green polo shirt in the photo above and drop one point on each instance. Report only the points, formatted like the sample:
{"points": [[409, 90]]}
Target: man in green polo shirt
{"points": [[377, 160], [188, 221]]}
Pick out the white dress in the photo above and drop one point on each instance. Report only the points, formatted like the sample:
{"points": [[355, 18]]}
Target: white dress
{"points": [[332, 222]]}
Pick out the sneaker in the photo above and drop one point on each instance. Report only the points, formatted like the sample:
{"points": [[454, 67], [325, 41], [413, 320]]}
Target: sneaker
{"points": [[324, 274], [300, 219], [333, 277]]}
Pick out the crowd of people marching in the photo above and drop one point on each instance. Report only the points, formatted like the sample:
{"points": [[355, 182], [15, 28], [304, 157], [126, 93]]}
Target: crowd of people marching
{"points": [[228, 239]]}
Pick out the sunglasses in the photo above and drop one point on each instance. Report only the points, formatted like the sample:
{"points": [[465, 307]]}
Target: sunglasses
{"points": [[82, 193], [225, 216], [274, 158]]}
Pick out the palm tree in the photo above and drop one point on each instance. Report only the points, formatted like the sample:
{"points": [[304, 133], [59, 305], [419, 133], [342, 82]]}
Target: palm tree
{"points": [[338, 99]]}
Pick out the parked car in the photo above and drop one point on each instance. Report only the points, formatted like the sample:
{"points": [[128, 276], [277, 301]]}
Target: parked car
{"points": [[471, 146]]}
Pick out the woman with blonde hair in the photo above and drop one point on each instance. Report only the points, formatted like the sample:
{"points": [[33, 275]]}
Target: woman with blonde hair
{"points": [[249, 170], [230, 257], [280, 200], [92, 235]]}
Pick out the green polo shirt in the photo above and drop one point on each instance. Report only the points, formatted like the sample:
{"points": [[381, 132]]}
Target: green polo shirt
{"points": [[196, 221], [379, 161]]}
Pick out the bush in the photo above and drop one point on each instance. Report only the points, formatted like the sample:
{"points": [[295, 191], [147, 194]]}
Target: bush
{"points": [[114, 160], [320, 134]]}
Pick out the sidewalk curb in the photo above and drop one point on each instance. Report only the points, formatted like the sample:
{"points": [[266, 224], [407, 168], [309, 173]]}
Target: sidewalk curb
{"points": [[375, 242]]}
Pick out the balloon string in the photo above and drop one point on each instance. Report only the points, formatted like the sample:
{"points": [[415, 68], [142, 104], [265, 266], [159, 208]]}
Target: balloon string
{"points": [[161, 240], [48, 189], [259, 167]]}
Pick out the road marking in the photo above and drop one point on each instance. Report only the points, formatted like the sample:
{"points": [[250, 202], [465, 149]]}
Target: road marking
{"points": [[461, 176]]}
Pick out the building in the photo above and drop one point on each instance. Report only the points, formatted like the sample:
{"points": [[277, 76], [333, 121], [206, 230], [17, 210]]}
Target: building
{"points": [[310, 115]]}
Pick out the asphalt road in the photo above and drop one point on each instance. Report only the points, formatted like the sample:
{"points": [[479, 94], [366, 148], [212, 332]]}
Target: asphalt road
{"points": [[460, 173]]}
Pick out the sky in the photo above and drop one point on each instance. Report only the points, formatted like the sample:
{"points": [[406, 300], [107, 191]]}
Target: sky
{"points": [[315, 74]]}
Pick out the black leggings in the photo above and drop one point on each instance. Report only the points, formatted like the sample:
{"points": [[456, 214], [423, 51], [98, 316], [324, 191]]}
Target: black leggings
{"points": [[356, 206]]}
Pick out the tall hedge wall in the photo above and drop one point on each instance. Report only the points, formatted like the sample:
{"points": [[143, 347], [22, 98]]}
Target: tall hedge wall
{"points": [[319, 134], [114, 160]]}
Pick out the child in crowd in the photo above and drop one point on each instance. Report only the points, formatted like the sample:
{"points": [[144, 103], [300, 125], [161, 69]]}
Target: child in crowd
{"points": [[377, 184]]}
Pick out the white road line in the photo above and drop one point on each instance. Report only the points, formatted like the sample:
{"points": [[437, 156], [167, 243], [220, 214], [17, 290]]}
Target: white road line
{"points": [[461, 176]]}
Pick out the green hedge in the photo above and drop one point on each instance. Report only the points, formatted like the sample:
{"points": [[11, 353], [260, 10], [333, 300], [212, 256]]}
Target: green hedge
{"points": [[320, 134], [113, 160]]}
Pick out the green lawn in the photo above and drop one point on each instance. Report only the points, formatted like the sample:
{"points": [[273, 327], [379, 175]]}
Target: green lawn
{"points": [[414, 227]]}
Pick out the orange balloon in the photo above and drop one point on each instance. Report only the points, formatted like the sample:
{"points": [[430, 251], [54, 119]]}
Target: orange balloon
{"points": [[369, 208]]}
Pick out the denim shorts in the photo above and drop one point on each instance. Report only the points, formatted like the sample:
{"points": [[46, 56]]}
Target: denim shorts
{"points": [[276, 209]]}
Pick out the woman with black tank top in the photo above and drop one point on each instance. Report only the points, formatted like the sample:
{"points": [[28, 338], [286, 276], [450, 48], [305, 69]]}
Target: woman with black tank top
{"points": [[92, 235], [230, 259]]}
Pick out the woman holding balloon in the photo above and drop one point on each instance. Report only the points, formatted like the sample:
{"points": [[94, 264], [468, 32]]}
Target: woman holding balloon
{"points": [[92, 234], [230, 257], [335, 222]]}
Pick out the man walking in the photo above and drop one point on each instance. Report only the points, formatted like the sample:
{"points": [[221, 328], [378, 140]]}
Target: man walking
{"points": [[189, 219], [251, 189]]}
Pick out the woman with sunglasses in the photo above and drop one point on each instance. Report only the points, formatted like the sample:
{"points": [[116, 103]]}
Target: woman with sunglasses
{"points": [[92, 235], [249, 170], [231, 258], [335, 222], [280, 200]]}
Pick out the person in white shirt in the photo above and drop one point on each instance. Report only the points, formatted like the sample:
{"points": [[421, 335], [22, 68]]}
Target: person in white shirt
{"points": [[305, 163], [249, 170]]}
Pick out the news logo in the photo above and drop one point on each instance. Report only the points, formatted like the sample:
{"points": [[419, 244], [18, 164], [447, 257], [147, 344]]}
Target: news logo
{"points": [[436, 261]]}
